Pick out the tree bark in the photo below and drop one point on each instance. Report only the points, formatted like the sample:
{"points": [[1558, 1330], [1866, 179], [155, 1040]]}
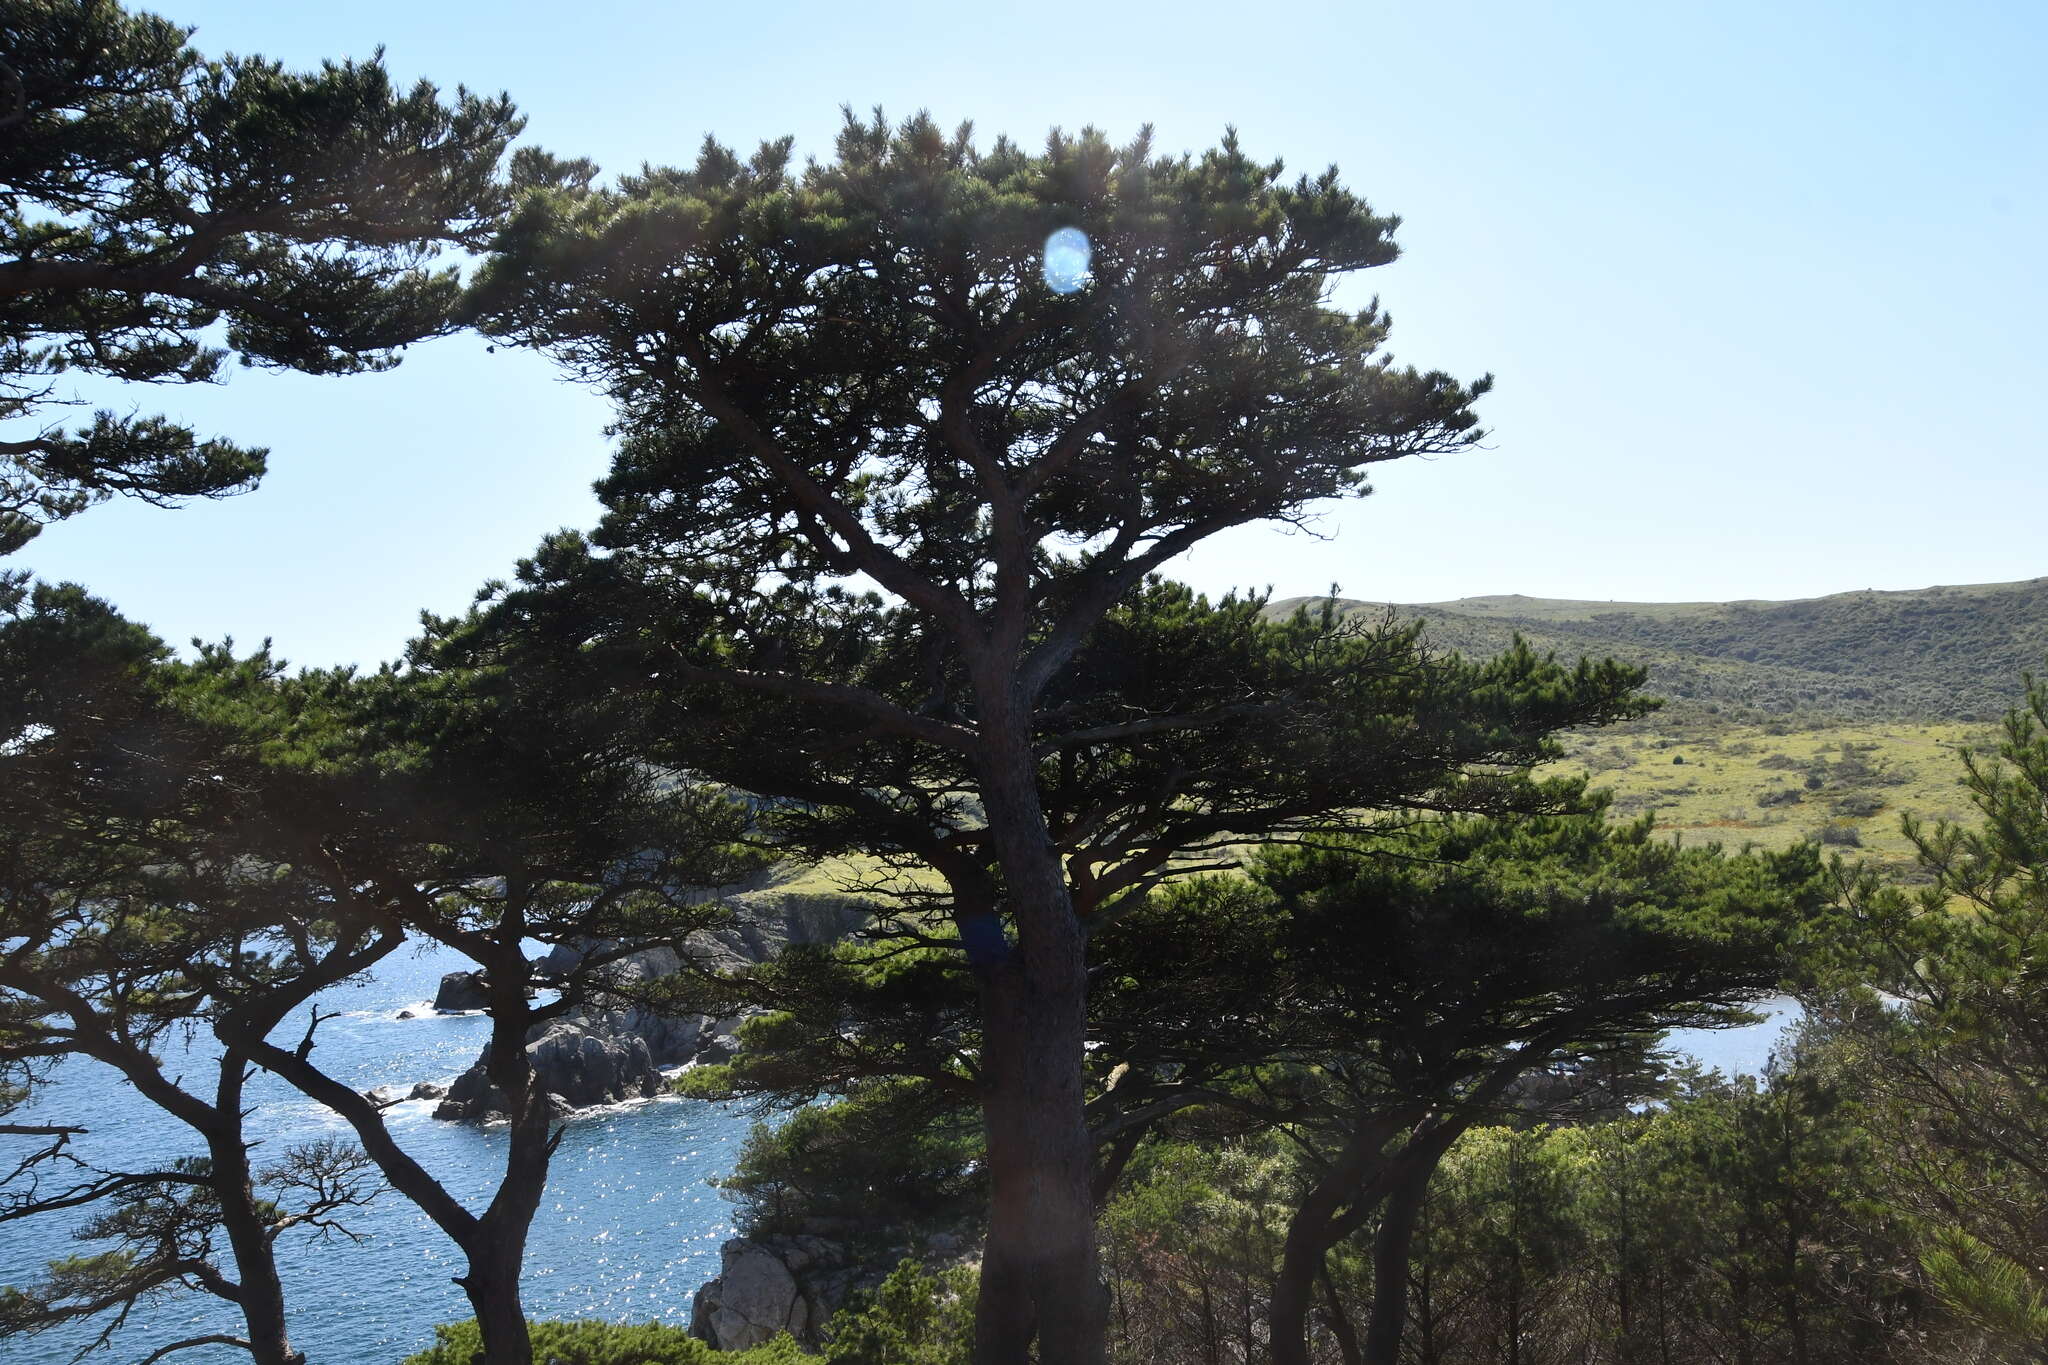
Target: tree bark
{"points": [[261, 1293], [1340, 1324], [492, 1285], [257, 1291], [1039, 1275], [1309, 1239], [1345, 1192], [1390, 1250], [1040, 1279], [497, 1250]]}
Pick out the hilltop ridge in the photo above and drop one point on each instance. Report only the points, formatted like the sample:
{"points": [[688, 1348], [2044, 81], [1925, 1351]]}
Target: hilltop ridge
{"points": [[1952, 653]]}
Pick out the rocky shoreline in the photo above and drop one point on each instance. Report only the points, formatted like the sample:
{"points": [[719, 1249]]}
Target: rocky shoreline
{"points": [[597, 1056]]}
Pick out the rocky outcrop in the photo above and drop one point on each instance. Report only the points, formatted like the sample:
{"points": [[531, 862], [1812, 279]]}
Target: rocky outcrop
{"points": [[578, 1065], [795, 1283], [384, 1096], [461, 991], [754, 1298], [768, 1285], [671, 1039], [603, 1056]]}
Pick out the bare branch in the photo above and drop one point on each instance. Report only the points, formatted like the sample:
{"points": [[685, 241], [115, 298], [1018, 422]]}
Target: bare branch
{"points": [[217, 1339]]}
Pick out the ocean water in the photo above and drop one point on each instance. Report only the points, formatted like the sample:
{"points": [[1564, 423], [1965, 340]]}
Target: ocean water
{"points": [[1739, 1051], [627, 1231]]}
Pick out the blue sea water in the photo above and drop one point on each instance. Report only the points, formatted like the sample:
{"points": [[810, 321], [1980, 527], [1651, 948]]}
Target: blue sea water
{"points": [[628, 1230]]}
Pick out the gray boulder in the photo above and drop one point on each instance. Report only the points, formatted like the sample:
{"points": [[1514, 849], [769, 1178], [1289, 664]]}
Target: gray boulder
{"points": [[461, 991], [578, 1065], [795, 1282], [754, 1298]]}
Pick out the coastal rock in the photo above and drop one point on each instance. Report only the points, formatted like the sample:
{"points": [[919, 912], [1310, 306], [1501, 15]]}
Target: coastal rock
{"points": [[428, 1090], [586, 1066], [570, 1067], [795, 1282], [754, 1297], [461, 991], [576, 1064]]}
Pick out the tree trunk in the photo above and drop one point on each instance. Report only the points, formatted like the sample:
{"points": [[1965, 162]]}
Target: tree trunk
{"points": [[1390, 1248], [497, 1251], [1039, 1274], [256, 1292], [1310, 1235], [492, 1285], [1329, 1212], [1340, 1325], [261, 1294]]}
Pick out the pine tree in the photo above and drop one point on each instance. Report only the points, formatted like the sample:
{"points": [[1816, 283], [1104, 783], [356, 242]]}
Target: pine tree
{"points": [[149, 195], [1004, 388]]}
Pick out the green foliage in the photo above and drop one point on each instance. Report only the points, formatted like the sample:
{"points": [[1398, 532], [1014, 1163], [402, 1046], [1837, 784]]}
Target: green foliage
{"points": [[154, 196], [1936, 997], [892, 1155], [1190, 1246], [1987, 1289], [606, 1343], [912, 1318], [163, 1232]]}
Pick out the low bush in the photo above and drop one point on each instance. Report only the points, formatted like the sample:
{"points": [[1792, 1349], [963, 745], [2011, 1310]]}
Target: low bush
{"points": [[912, 1319], [607, 1343], [1841, 834]]}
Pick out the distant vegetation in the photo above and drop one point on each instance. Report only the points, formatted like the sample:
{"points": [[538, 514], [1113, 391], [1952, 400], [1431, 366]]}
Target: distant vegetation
{"points": [[1936, 654], [1822, 719]]}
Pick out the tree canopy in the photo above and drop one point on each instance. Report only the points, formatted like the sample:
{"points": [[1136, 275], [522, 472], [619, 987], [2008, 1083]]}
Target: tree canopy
{"points": [[162, 213], [1003, 387]]}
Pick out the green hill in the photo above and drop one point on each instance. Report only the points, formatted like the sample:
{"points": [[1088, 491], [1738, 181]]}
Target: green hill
{"points": [[1935, 654], [1821, 718]]}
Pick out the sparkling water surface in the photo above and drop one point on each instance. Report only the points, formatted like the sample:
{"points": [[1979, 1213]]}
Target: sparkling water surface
{"points": [[626, 1232]]}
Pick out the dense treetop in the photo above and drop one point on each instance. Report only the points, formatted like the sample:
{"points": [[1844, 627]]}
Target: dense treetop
{"points": [[859, 366], [161, 212]]}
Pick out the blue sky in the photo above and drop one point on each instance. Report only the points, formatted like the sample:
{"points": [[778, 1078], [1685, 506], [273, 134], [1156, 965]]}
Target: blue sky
{"points": [[1762, 286]]}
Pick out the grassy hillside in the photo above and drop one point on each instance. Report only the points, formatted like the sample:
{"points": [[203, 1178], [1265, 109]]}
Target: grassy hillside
{"points": [[1936, 654], [1826, 717]]}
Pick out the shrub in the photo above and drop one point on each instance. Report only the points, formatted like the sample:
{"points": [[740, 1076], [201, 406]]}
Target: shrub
{"points": [[911, 1319], [889, 1156], [1779, 796], [1858, 805], [1841, 834], [607, 1343]]}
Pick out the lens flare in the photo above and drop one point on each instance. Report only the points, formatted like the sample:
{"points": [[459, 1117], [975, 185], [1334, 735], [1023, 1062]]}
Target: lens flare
{"points": [[1066, 260]]}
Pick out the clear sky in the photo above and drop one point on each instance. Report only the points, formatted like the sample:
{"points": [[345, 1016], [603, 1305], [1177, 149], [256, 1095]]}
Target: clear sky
{"points": [[1762, 285]]}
